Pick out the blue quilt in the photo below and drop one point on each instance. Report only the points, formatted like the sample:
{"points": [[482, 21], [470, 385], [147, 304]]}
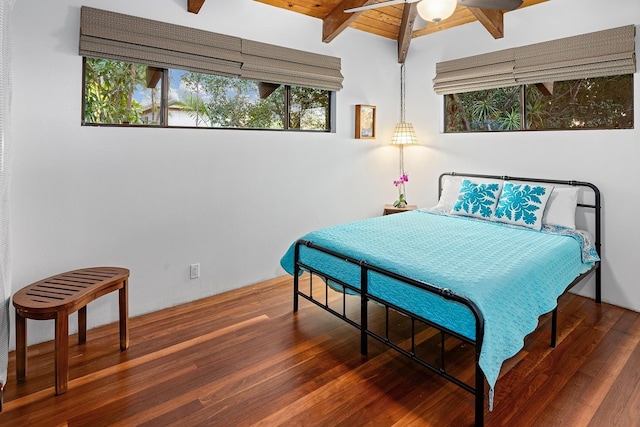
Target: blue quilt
{"points": [[512, 274]]}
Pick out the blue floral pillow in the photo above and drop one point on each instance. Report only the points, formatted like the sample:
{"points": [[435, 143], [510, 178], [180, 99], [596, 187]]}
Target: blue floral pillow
{"points": [[477, 200], [523, 204]]}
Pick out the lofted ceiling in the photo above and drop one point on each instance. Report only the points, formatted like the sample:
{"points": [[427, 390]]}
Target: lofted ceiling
{"points": [[397, 22]]}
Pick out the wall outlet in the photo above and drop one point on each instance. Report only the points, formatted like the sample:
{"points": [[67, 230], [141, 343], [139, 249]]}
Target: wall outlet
{"points": [[195, 271]]}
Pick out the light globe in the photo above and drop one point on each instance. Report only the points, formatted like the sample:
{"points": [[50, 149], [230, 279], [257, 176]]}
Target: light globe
{"points": [[436, 10]]}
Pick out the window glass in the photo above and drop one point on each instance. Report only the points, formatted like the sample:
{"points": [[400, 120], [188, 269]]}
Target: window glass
{"points": [[483, 110], [120, 93], [592, 103], [309, 109], [596, 103], [229, 102], [129, 94]]}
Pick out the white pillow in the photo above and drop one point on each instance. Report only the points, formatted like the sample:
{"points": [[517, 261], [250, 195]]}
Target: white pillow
{"points": [[522, 204], [561, 207], [477, 200], [449, 196], [450, 189]]}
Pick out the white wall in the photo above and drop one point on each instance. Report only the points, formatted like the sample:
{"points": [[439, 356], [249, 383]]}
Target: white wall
{"points": [[609, 159], [156, 200]]}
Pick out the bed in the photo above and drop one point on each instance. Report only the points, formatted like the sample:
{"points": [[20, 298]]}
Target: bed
{"points": [[481, 266]]}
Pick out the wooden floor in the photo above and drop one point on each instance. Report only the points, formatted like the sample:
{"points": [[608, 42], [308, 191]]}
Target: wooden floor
{"points": [[243, 358]]}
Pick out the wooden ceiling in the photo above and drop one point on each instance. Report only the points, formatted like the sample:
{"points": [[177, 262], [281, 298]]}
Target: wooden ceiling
{"points": [[394, 22]]}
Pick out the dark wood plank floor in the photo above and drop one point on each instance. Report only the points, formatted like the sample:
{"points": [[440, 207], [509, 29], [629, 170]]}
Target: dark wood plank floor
{"points": [[243, 358]]}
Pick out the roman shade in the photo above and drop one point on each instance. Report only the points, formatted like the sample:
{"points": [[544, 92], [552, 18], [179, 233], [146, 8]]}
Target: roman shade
{"points": [[603, 53], [111, 35], [275, 64], [478, 72]]}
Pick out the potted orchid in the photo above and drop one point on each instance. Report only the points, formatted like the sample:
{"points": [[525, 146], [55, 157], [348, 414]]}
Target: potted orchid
{"points": [[402, 201]]}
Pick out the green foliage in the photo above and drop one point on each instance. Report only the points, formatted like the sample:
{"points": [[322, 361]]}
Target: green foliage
{"points": [[593, 103], [232, 102], [308, 108], [484, 110], [509, 120], [235, 103], [537, 113], [109, 88], [112, 87]]}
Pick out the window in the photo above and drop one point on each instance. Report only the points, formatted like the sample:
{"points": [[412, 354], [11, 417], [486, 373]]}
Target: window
{"points": [[596, 103], [483, 110], [109, 89], [589, 103], [121, 93], [578, 82], [230, 82]]}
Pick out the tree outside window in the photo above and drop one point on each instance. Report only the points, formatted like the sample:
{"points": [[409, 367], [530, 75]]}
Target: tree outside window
{"points": [[590, 103], [128, 94]]}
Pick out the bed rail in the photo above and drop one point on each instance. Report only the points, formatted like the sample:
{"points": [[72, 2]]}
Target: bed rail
{"points": [[363, 291]]}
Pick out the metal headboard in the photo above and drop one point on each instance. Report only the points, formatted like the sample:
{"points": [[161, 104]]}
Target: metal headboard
{"points": [[596, 206]]}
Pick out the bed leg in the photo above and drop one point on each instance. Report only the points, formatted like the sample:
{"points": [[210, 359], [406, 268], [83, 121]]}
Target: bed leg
{"points": [[295, 294], [296, 276], [364, 347], [598, 284], [554, 326], [479, 395], [364, 308]]}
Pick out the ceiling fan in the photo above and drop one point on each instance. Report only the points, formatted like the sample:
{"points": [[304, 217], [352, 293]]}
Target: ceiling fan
{"points": [[437, 10]]}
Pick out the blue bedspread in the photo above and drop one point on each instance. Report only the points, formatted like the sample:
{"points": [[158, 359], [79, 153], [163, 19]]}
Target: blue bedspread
{"points": [[512, 274]]}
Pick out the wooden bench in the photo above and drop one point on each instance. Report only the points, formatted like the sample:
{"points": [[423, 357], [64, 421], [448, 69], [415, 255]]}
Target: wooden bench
{"points": [[58, 296]]}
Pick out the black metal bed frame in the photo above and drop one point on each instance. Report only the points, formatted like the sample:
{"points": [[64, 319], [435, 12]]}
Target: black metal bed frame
{"points": [[363, 291]]}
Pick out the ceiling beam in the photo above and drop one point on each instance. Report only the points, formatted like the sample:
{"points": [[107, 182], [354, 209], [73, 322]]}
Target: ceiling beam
{"points": [[266, 89], [153, 77], [336, 21], [492, 20], [546, 88], [409, 14], [194, 6]]}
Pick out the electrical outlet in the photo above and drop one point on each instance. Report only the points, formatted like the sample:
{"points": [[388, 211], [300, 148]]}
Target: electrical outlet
{"points": [[195, 270]]}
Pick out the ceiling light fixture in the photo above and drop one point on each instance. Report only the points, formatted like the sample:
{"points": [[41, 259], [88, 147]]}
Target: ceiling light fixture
{"points": [[436, 10]]}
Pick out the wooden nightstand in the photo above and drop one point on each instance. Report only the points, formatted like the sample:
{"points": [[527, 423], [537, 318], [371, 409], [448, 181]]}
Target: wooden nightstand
{"points": [[390, 209]]}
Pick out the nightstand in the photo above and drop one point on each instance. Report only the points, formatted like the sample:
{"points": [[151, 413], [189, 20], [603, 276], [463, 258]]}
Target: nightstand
{"points": [[390, 209]]}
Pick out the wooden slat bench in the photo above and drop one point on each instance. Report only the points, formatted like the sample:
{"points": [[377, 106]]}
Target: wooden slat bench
{"points": [[56, 298]]}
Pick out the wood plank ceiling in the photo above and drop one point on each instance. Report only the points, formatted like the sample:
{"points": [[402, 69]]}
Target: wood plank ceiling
{"points": [[395, 22]]}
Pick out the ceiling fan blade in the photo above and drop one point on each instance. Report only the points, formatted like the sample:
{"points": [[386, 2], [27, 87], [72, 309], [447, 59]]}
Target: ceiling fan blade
{"points": [[492, 4], [374, 6]]}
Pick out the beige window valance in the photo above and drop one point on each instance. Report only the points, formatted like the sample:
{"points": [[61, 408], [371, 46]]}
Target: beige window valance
{"points": [[111, 35], [603, 53]]}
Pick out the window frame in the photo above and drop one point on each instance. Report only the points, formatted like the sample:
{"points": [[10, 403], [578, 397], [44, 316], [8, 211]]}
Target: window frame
{"points": [[331, 115], [522, 89]]}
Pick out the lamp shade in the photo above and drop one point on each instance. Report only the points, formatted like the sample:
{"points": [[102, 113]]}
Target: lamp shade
{"points": [[436, 10], [404, 134]]}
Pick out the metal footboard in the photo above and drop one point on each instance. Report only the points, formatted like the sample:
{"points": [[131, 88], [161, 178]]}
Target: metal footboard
{"points": [[363, 293]]}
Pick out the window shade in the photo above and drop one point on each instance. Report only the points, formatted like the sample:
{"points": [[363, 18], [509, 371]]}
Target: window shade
{"points": [[603, 53], [111, 35], [478, 72], [127, 38], [275, 64]]}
